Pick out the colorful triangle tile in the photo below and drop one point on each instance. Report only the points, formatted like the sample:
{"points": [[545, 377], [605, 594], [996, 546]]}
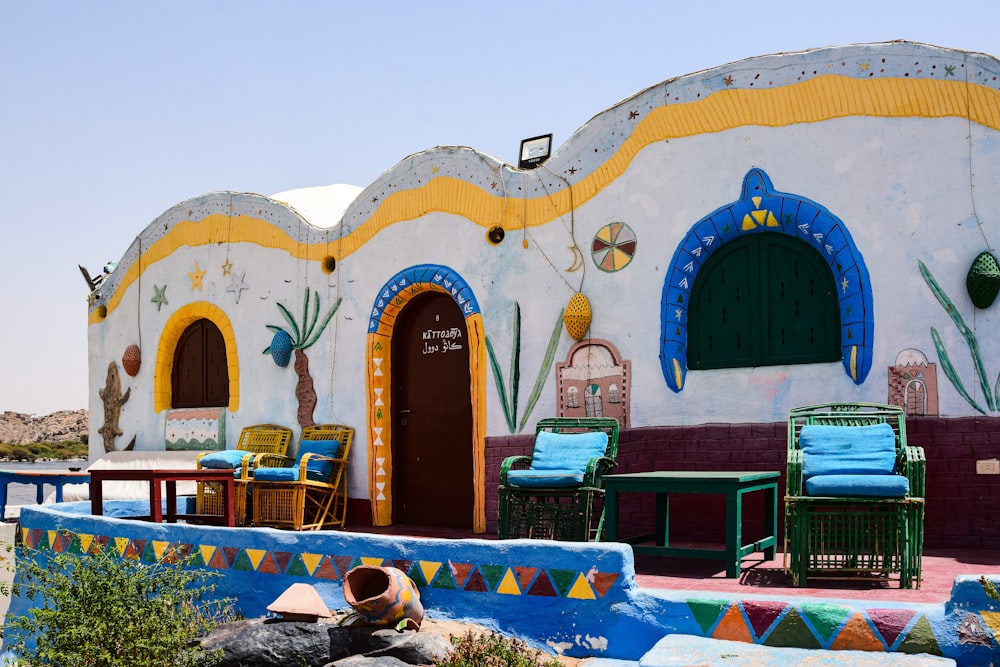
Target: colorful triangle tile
{"points": [[325, 570], [543, 586], [762, 614], [733, 627], [428, 569], [857, 635], [890, 622], [603, 581], [706, 612], [492, 573], [525, 575], [792, 631], [476, 583], [581, 589], [460, 571], [311, 561], [920, 639], [508, 584], [825, 618]]}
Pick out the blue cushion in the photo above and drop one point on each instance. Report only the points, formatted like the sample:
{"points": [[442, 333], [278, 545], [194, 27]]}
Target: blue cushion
{"points": [[537, 479], [858, 486], [847, 450], [567, 451], [276, 474], [317, 469], [227, 458]]}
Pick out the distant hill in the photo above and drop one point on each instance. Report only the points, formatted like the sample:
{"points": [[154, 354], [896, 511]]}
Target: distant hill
{"points": [[20, 429]]}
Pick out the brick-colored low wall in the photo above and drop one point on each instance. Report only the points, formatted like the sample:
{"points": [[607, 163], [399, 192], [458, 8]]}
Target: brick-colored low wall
{"points": [[962, 507]]}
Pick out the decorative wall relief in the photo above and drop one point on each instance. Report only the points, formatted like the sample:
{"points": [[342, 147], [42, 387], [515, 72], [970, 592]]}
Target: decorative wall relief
{"points": [[990, 394], [113, 400], [594, 382], [913, 384], [508, 401], [302, 337], [613, 247], [196, 429]]}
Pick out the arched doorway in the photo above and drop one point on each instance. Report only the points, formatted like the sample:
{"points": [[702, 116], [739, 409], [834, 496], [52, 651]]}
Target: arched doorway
{"points": [[386, 322], [432, 481]]}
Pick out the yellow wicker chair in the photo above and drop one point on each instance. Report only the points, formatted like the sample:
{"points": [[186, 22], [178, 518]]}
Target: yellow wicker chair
{"points": [[259, 446], [312, 494]]}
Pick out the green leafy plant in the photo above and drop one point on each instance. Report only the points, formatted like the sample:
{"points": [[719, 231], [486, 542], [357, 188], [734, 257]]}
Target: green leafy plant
{"points": [[991, 396], [98, 610], [509, 403], [493, 650], [299, 337]]}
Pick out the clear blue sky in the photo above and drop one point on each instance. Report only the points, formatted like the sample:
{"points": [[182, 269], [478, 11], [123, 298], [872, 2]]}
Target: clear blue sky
{"points": [[111, 112]]}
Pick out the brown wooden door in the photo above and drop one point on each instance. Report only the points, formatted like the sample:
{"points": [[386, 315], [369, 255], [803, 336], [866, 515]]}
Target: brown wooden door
{"points": [[200, 375], [432, 478]]}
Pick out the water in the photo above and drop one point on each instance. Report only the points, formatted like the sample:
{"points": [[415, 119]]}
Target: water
{"points": [[26, 494]]}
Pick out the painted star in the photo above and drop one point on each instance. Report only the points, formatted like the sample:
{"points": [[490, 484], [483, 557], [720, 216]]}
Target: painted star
{"points": [[844, 284], [949, 70], [161, 297], [238, 285], [435, 170], [864, 67], [227, 267], [728, 80], [632, 115], [196, 277], [572, 170]]}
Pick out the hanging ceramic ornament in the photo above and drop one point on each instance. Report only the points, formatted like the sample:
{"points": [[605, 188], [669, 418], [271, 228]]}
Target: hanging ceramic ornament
{"points": [[131, 360], [983, 280], [577, 316], [281, 347]]}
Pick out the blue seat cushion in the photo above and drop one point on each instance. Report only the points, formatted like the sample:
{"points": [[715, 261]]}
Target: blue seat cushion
{"points": [[317, 469], [560, 459], [858, 486], [539, 479], [227, 458], [847, 450]]}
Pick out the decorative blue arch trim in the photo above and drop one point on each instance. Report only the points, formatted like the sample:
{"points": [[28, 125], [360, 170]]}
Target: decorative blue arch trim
{"points": [[437, 274], [762, 210]]}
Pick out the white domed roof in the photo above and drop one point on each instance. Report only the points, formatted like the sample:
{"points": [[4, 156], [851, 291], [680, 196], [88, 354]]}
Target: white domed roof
{"points": [[324, 205]]}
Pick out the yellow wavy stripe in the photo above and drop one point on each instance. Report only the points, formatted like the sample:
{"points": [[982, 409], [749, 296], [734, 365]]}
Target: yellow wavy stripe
{"points": [[822, 98]]}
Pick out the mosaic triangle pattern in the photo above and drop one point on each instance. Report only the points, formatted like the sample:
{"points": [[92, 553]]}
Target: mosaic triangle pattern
{"points": [[818, 625], [487, 578]]}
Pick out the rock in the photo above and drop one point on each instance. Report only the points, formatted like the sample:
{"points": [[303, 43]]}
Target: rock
{"points": [[413, 648], [262, 643], [20, 429], [365, 661]]}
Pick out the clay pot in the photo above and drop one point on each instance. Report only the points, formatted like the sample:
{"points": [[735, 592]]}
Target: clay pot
{"points": [[384, 596]]}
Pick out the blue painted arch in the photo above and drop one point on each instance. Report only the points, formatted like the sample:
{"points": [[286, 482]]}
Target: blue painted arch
{"points": [[762, 210]]}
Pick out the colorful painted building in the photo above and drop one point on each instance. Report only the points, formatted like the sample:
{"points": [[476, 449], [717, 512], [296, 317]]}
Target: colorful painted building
{"points": [[789, 229]]}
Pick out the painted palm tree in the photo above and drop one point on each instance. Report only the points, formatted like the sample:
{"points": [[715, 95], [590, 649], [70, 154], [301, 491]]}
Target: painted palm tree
{"points": [[298, 338]]}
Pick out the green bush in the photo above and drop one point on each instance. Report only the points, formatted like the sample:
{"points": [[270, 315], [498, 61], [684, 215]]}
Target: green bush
{"points": [[99, 610], [493, 650]]}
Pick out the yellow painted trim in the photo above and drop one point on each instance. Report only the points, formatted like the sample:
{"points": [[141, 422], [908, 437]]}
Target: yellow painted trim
{"points": [[378, 381], [172, 330], [821, 98]]}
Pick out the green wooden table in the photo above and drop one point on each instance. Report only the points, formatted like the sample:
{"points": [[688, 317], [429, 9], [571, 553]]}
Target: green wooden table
{"points": [[734, 485]]}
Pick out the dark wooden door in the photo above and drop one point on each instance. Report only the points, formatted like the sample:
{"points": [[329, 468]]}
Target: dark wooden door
{"points": [[200, 375], [432, 478]]}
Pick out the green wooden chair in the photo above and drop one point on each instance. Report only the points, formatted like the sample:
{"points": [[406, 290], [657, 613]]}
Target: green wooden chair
{"points": [[854, 501], [552, 494]]}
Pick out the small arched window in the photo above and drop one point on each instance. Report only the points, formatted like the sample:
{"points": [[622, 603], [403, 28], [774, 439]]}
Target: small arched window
{"points": [[763, 300], [200, 375]]}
